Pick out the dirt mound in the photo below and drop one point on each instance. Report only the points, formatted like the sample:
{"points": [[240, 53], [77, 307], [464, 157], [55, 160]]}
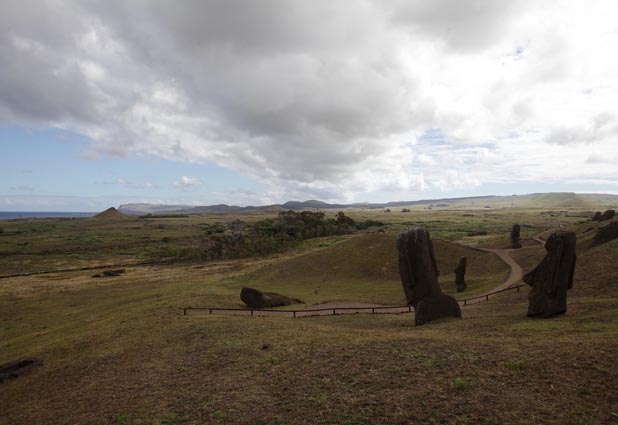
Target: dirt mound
{"points": [[111, 213]]}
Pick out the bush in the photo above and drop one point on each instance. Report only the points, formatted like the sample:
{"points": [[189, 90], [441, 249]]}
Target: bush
{"points": [[239, 239]]}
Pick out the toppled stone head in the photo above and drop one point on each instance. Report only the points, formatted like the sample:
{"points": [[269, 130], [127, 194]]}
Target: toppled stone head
{"points": [[258, 299], [606, 233], [551, 279], [419, 276], [608, 215]]}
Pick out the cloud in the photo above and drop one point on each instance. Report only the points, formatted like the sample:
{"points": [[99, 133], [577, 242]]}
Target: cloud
{"points": [[126, 183], [186, 182], [324, 99], [600, 128]]}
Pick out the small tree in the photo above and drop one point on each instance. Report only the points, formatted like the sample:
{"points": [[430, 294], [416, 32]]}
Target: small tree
{"points": [[344, 220]]}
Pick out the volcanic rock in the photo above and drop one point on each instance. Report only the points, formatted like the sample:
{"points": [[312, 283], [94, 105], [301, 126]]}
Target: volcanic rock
{"points": [[15, 368], [608, 215], [551, 279], [419, 276], [258, 299], [515, 230], [460, 274], [110, 273], [606, 233]]}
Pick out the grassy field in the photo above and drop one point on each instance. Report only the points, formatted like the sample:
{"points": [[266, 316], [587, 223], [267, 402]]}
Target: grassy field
{"points": [[118, 350]]}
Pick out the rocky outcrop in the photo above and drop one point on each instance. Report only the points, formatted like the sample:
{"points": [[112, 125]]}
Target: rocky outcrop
{"points": [[258, 299], [551, 279], [460, 274], [419, 276], [515, 241], [597, 216]]}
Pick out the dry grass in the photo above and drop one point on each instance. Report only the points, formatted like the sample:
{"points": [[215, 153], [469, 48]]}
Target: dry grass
{"points": [[117, 351]]}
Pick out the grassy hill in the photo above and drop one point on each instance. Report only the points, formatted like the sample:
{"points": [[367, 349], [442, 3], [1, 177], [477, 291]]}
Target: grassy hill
{"points": [[562, 200], [364, 268]]}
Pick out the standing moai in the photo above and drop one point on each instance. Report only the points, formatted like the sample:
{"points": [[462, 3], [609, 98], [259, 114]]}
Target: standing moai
{"points": [[419, 276], [460, 274], [515, 241], [551, 279]]}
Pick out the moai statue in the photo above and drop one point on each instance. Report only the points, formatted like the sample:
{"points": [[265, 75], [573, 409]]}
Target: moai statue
{"points": [[419, 276], [460, 274], [551, 279], [515, 242], [257, 299]]}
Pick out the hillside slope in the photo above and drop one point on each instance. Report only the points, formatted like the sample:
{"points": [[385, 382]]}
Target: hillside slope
{"points": [[365, 269]]}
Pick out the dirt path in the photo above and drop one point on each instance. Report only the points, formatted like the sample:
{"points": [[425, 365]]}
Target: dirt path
{"points": [[516, 271]]}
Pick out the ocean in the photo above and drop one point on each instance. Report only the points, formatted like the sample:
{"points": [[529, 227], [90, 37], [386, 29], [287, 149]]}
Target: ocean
{"points": [[7, 215]]}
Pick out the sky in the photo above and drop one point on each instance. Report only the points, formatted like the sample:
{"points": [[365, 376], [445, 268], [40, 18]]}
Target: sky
{"points": [[251, 102]]}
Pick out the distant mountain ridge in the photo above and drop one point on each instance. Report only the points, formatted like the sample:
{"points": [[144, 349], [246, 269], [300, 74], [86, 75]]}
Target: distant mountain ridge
{"points": [[533, 200]]}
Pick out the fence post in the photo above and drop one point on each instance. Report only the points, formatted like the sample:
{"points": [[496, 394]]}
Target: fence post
{"points": [[252, 312], [294, 313], [409, 309], [334, 311], [487, 297], [373, 310], [210, 311]]}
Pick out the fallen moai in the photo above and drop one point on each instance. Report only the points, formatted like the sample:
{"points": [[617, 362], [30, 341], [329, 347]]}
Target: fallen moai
{"points": [[16, 368], [258, 299], [419, 276], [110, 273], [551, 279], [606, 233], [515, 241], [460, 274]]}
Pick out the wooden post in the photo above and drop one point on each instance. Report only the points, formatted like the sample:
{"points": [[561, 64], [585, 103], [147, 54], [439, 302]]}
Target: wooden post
{"points": [[294, 313], [334, 312], [210, 311], [373, 310]]}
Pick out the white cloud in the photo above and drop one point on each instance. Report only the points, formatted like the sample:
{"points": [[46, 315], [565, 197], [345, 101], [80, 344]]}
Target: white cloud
{"points": [[131, 185], [326, 99], [186, 182]]}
